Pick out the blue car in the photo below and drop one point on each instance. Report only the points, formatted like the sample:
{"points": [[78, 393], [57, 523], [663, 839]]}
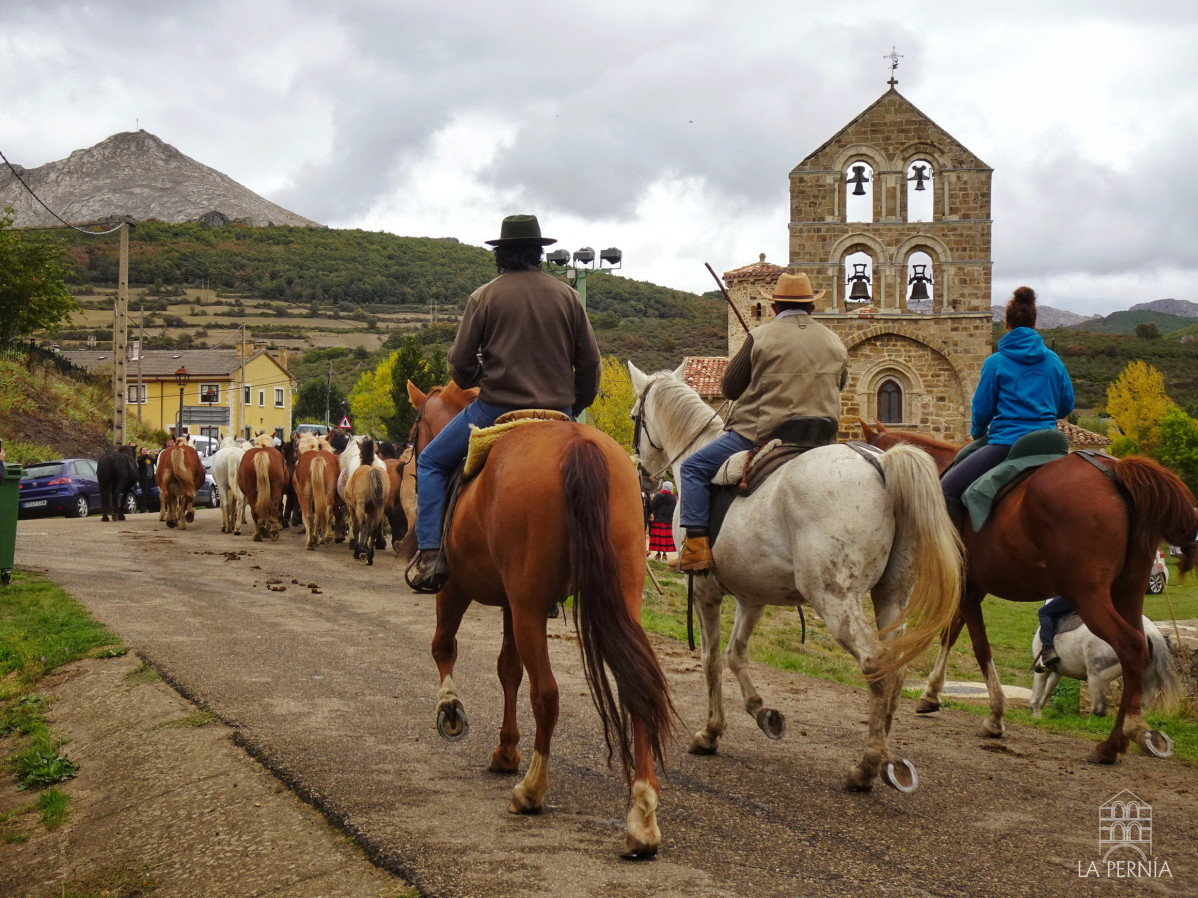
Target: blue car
{"points": [[68, 487]]}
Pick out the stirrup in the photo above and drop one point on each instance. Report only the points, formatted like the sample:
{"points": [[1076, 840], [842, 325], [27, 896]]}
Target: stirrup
{"points": [[427, 572]]}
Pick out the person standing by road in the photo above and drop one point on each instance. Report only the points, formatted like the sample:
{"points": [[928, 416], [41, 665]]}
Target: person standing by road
{"points": [[145, 478], [661, 522]]}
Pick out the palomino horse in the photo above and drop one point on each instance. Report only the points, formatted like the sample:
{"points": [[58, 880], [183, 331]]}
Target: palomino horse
{"points": [[556, 510], [1086, 657], [117, 473], [365, 495], [1089, 535], [261, 476], [824, 530], [179, 474], [315, 486], [349, 459], [225, 464]]}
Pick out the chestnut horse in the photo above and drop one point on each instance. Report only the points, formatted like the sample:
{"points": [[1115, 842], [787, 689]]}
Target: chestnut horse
{"points": [[1070, 529], [262, 476], [556, 510], [315, 487], [179, 474]]}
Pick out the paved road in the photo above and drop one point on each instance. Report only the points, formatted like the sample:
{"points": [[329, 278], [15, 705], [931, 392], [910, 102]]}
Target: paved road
{"points": [[322, 666]]}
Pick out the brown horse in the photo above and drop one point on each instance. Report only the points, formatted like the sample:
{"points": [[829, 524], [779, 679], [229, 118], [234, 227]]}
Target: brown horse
{"points": [[366, 498], [262, 475], [556, 510], [1070, 529], [179, 474], [315, 486], [431, 417]]}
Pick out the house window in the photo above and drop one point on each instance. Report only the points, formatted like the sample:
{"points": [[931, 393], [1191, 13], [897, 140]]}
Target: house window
{"points": [[278, 397], [757, 311], [210, 393], [246, 398], [136, 396], [890, 403], [261, 397]]}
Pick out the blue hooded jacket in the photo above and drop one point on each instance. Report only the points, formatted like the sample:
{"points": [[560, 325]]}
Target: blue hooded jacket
{"points": [[1024, 387]]}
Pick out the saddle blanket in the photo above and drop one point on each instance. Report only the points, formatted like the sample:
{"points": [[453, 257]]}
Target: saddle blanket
{"points": [[483, 438]]}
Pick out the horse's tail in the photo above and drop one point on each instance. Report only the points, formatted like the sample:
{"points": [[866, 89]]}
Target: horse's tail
{"points": [[182, 471], [318, 487], [1161, 672], [263, 507], [376, 493], [922, 528], [1162, 507], [610, 638]]}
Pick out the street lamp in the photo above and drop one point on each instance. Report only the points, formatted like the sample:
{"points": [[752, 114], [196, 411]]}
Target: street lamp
{"points": [[181, 378], [584, 262]]}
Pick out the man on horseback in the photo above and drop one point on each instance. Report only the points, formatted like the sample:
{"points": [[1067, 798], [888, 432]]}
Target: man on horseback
{"points": [[525, 342], [1023, 387], [792, 366]]}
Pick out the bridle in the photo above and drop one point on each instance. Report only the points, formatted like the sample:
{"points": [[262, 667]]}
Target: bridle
{"points": [[639, 426]]}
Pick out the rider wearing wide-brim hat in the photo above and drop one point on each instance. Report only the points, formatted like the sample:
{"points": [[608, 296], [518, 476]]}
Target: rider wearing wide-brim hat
{"points": [[525, 341], [792, 366]]}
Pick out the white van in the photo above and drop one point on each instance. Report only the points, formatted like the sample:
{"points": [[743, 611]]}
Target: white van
{"points": [[204, 445]]}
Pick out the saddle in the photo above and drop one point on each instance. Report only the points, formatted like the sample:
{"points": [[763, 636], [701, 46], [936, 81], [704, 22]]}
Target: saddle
{"points": [[744, 472], [1030, 452], [483, 438]]}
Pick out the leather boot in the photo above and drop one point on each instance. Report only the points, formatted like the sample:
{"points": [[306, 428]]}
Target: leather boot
{"points": [[428, 571], [1048, 661], [696, 553], [956, 513]]}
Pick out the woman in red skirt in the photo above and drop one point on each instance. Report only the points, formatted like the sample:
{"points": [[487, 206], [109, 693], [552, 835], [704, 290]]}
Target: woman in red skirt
{"points": [[661, 522]]}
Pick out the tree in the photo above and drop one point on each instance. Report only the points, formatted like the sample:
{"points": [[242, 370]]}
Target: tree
{"points": [[411, 364], [1147, 331], [1137, 402], [310, 402], [33, 296], [370, 400], [612, 407], [1178, 449]]}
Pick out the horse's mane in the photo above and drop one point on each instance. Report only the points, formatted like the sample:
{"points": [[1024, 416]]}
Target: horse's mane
{"points": [[453, 395], [920, 440], [690, 414], [264, 441]]}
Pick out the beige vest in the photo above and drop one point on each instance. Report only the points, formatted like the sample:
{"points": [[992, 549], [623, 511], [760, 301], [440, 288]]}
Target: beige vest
{"points": [[798, 368]]}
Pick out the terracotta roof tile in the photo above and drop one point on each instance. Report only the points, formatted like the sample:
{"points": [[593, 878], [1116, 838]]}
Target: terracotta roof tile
{"points": [[161, 363], [756, 270], [703, 374], [1079, 436]]}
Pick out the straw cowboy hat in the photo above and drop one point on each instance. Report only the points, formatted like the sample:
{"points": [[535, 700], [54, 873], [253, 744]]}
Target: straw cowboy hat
{"points": [[793, 288], [521, 230]]}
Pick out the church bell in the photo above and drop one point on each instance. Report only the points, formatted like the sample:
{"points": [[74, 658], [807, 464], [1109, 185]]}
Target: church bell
{"points": [[918, 176], [858, 180], [860, 281], [919, 282]]}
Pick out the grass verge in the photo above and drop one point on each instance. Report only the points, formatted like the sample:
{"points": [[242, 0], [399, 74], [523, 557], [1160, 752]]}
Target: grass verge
{"points": [[1009, 627]]}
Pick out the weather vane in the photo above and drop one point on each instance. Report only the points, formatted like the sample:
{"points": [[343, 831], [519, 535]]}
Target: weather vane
{"points": [[894, 58]]}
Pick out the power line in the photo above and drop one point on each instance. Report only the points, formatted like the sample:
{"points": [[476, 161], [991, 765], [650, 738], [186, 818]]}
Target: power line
{"points": [[17, 175]]}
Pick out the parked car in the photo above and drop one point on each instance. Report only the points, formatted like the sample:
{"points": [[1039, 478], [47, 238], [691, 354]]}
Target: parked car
{"points": [[321, 430], [68, 487], [207, 496], [1160, 575]]}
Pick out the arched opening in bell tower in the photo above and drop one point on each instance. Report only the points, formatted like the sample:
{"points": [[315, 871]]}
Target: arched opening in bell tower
{"points": [[921, 192], [921, 283], [858, 281], [859, 192]]}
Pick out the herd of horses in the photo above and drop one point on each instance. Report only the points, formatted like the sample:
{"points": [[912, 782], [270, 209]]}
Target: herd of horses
{"points": [[555, 512]]}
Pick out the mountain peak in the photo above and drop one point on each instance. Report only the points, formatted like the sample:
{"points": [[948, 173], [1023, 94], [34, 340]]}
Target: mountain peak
{"points": [[136, 175]]}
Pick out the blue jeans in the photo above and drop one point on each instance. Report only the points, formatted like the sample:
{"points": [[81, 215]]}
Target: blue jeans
{"points": [[439, 459], [1051, 614], [958, 478], [697, 472]]}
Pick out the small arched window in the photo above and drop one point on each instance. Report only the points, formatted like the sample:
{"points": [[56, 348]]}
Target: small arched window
{"points": [[890, 402], [757, 311]]}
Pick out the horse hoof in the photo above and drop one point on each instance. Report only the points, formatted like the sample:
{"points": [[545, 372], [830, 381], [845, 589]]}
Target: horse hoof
{"points": [[986, 733], [1149, 740], [1098, 756], [854, 783], [274, 536], [191, 516], [639, 852], [902, 778], [171, 524], [927, 706], [771, 722], [701, 745], [452, 723]]}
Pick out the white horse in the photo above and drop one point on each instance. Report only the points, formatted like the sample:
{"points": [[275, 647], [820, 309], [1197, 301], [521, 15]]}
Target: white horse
{"points": [[225, 463], [1086, 657], [823, 530]]}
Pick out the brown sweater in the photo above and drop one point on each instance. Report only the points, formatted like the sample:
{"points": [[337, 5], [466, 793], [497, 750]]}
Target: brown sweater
{"points": [[535, 343], [792, 366]]}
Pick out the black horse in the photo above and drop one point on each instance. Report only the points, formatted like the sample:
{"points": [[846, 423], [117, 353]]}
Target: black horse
{"points": [[117, 473]]}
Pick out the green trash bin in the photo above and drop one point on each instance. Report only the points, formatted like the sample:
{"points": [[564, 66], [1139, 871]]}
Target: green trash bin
{"points": [[10, 491]]}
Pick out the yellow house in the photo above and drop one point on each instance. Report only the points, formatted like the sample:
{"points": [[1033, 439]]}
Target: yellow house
{"points": [[220, 395]]}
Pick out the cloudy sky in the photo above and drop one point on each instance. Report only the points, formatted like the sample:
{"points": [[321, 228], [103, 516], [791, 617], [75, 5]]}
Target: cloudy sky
{"points": [[666, 129]]}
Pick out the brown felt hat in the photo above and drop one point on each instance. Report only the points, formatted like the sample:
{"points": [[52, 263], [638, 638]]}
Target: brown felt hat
{"points": [[521, 230], [793, 288]]}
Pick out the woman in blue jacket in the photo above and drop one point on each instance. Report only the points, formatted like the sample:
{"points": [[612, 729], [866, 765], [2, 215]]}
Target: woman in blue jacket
{"points": [[1024, 387]]}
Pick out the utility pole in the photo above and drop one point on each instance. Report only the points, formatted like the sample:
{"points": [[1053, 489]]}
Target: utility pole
{"points": [[141, 342], [241, 403], [328, 395], [120, 342]]}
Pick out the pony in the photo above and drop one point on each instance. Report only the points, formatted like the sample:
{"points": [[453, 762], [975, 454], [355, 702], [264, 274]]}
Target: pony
{"points": [[179, 474], [1086, 657], [225, 464], [289, 506], [555, 510], [825, 529], [315, 486], [1090, 535], [261, 476], [365, 495], [117, 473], [349, 459]]}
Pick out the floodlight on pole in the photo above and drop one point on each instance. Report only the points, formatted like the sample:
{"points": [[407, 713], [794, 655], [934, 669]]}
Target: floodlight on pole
{"points": [[181, 378]]}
